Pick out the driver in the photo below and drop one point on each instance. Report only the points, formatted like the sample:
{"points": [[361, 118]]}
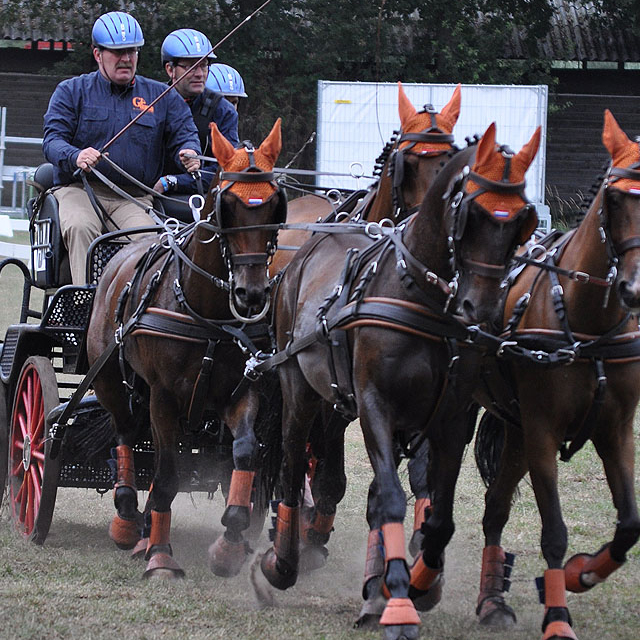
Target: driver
{"points": [[86, 112]]}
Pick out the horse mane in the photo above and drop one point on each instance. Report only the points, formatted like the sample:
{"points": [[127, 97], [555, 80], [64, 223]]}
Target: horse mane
{"points": [[381, 160], [593, 192]]}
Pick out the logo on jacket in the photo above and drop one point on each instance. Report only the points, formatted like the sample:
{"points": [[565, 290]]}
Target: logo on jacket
{"points": [[140, 104]]}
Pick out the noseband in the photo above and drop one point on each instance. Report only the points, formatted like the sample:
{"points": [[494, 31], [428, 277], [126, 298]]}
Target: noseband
{"points": [[432, 134]]}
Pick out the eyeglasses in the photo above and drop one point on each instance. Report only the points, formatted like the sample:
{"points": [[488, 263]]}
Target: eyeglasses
{"points": [[203, 66]]}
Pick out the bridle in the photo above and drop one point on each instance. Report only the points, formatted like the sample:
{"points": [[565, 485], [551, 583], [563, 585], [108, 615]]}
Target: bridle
{"points": [[460, 208], [431, 134]]}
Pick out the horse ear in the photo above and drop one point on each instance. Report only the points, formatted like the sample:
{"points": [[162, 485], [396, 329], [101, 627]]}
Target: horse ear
{"points": [[222, 149], [272, 144], [528, 152], [486, 146], [405, 109], [613, 137], [451, 110]]}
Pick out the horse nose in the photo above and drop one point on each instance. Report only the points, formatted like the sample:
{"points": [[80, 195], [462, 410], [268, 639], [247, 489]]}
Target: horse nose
{"points": [[254, 297], [629, 292]]}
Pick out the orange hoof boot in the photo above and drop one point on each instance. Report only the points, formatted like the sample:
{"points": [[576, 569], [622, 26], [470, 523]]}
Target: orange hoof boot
{"points": [[162, 565], [559, 630], [125, 533], [584, 570], [400, 620], [426, 585], [277, 572], [493, 612], [226, 558]]}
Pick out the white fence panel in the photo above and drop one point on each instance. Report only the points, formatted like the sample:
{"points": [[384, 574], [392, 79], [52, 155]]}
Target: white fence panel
{"points": [[356, 119]]}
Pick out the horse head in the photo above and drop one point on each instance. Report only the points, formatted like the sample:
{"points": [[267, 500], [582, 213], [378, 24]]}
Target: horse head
{"points": [[493, 218], [249, 206], [620, 212], [419, 152]]}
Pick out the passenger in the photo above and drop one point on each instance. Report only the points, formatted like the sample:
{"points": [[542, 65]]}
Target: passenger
{"points": [[227, 81], [86, 112], [180, 49]]}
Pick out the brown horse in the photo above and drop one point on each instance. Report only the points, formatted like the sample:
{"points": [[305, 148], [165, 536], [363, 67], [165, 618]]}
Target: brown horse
{"points": [[577, 308], [407, 166], [360, 323], [176, 307]]}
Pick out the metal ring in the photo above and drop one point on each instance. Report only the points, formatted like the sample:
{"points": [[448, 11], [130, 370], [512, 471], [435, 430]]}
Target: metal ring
{"points": [[352, 171], [373, 230], [537, 247], [334, 196]]}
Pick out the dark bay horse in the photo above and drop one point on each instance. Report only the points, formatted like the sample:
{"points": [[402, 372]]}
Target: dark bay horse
{"points": [[360, 323], [176, 309], [407, 166], [577, 308]]}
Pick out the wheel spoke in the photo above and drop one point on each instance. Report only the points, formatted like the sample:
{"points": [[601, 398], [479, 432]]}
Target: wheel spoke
{"points": [[38, 430], [30, 510], [37, 487], [27, 395], [22, 421], [38, 454]]}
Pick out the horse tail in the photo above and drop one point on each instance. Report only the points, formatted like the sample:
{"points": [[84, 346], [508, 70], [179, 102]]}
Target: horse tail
{"points": [[488, 446], [268, 432]]}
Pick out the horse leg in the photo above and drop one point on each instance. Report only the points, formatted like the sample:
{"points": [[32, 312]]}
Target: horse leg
{"points": [[280, 563], [417, 469], [374, 601], [428, 569], [164, 421], [492, 610], [541, 446], [616, 449], [399, 618], [229, 552], [327, 488]]}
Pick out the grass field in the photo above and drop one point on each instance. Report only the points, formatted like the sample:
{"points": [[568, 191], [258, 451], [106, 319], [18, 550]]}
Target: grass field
{"points": [[78, 585]]}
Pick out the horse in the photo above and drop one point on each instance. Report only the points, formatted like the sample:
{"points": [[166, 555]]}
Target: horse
{"points": [[361, 322], [180, 308], [575, 303], [407, 166]]}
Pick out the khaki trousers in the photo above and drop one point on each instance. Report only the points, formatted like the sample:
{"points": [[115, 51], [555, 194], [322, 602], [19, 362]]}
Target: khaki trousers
{"points": [[80, 225]]}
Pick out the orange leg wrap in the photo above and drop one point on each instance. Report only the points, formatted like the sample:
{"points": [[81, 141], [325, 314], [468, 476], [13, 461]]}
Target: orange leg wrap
{"points": [[422, 576], [160, 528], [399, 611], [393, 537], [583, 571], [125, 474], [240, 489], [420, 509], [374, 564], [555, 595], [286, 538], [492, 576]]}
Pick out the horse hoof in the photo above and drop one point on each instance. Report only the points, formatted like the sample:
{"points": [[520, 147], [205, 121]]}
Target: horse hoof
{"points": [[226, 558], [401, 632], [162, 566], [573, 569], [261, 587], [426, 600], [371, 613], [496, 614], [312, 557], [276, 572], [140, 550], [125, 533]]}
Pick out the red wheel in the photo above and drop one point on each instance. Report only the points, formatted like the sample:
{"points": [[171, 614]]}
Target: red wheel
{"points": [[4, 440], [33, 475]]}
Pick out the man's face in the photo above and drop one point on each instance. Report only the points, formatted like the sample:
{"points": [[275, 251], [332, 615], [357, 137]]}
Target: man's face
{"points": [[234, 100], [193, 83], [117, 65]]}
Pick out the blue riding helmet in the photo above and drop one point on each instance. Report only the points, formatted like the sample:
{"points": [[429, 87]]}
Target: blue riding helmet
{"points": [[185, 43], [225, 80], [116, 30]]}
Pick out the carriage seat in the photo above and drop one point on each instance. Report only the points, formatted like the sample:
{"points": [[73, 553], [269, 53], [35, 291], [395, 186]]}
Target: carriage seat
{"points": [[49, 258]]}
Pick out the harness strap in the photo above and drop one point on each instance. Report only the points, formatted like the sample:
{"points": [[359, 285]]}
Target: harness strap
{"points": [[201, 387]]}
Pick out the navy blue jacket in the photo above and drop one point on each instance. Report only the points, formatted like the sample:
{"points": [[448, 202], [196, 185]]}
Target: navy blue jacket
{"points": [[225, 116], [87, 111]]}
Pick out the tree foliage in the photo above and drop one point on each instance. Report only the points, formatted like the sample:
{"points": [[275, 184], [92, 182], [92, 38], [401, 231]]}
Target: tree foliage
{"points": [[283, 51]]}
